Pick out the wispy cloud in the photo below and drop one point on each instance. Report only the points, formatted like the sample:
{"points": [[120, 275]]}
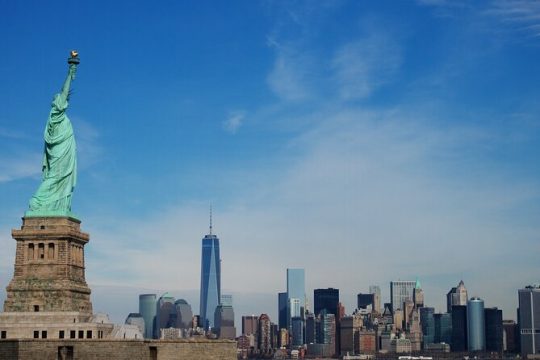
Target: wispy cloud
{"points": [[17, 166], [234, 121], [366, 64], [525, 14], [89, 149], [378, 181], [289, 78], [11, 134]]}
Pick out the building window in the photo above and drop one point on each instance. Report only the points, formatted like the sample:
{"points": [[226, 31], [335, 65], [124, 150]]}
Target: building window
{"points": [[81, 334], [36, 308], [88, 334], [100, 334], [3, 334], [44, 334], [36, 334], [41, 251], [30, 251], [61, 334], [72, 334], [50, 255]]}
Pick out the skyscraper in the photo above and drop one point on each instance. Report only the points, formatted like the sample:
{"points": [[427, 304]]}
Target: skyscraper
{"points": [[297, 331], [456, 296], [376, 291], [459, 328], [400, 291], [184, 314], [494, 330], [296, 288], [296, 294], [365, 300], [476, 331], [529, 319], [427, 321], [250, 324], [326, 299], [210, 278], [147, 309], [443, 328], [264, 335], [418, 295], [224, 319], [282, 310], [165, 314]]}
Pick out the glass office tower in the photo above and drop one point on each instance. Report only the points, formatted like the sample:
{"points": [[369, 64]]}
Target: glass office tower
{"points": [[476, 325], [210, 279], [296, 294], [401, 291], [147, 309]]}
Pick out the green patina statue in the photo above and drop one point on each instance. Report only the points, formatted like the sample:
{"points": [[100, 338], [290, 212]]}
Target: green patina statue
{"points": [[53, 197]]}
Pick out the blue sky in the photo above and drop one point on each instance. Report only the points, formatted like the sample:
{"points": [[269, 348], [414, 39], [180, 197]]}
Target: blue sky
{"points": [[363, 141]]}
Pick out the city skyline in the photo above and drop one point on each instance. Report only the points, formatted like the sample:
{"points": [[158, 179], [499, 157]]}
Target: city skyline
{"points": [[402, 143]]}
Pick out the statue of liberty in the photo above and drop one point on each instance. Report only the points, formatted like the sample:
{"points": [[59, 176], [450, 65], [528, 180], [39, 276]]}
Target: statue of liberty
{"points": [[59, 171]]}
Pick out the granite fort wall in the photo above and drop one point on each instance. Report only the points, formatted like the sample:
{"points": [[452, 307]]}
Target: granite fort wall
{"points": [[29, 349]]}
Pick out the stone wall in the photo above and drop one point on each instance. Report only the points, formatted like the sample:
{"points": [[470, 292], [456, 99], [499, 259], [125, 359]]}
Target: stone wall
{"points": [[200, 349]]}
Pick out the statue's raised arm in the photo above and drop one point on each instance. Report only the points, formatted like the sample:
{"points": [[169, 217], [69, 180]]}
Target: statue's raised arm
{"points": [[53, 197]]}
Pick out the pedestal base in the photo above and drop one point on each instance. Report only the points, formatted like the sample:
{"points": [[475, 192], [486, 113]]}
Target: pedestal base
{"points": [[49, 267]]}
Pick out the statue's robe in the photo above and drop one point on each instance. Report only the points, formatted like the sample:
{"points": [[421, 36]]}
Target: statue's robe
{"points": [[59, 162]]}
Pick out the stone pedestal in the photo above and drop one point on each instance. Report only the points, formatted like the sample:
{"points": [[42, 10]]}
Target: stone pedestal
{"points": [[49, 268]]}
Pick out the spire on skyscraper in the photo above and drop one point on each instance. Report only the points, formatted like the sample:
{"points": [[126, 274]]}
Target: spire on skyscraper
{"points": [[210, 219]]}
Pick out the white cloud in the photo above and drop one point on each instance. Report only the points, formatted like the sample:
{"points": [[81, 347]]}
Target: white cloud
{"points": [[19, 165], [364, 65], [523, 13], [89, 150], [289, 78], [234, 121], [374, 195]]}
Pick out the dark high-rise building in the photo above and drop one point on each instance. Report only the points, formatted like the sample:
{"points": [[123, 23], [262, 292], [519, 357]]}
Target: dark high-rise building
{"points": [[443, 328], [147, 309], [297, 331], [511, 336], [326, 299], [365, 300], [310, 329], [459, 328], [529, 320], [494, 330], [427, 321], [210, 278], [476, 325], [282, 310], [326, 328]]}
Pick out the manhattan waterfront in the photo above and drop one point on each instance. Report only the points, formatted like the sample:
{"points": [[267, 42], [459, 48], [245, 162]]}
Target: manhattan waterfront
{"points": [[270, 179]]}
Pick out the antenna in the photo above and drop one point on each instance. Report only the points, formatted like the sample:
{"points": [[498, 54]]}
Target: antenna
{"points": [[210, 219]]}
